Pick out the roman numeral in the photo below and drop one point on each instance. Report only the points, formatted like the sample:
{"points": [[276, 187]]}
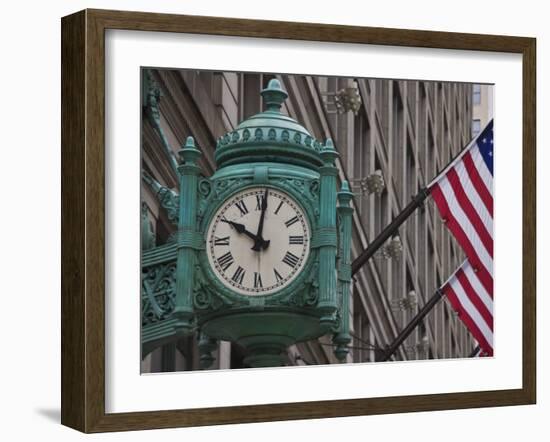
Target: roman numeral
{"points": [[225, 261], [242, 207], [296, 239], [278, 277], [224, 241], [257, 280], [259, 200], [238, 275], [278, 208], [291, 259], [291, 221]]}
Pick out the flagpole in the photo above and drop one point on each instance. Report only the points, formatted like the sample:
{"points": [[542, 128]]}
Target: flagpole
{"points": [[390, 350], [389, 231], [404, 334], [475, 351], [416, 202]]}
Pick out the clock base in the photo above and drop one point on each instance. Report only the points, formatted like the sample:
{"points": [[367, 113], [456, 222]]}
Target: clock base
{"points": [[265, 355], [265, 335]]}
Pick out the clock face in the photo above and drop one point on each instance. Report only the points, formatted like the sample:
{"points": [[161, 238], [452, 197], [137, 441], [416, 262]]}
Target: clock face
{"points": [[258, 241]]}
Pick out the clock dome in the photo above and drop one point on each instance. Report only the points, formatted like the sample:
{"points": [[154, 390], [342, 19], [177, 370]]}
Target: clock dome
{"points": [[269, 136]]}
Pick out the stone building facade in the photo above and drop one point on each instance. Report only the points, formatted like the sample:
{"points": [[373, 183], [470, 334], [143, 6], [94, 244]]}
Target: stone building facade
{"points": [[392, 136]]}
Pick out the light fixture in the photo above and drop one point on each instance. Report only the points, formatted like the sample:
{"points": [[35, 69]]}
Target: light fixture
{"points": [[373, 183], [392, 250], [408, 302], [347, 99], [412, 300]]}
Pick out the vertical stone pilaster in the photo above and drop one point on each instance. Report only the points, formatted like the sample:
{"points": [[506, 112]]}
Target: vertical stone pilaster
{"points": [[342, 338], [188, 237], [326, 234]]}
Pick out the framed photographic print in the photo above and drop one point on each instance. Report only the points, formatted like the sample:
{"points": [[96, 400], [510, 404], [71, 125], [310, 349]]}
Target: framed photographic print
{"points": [[269, 220]]}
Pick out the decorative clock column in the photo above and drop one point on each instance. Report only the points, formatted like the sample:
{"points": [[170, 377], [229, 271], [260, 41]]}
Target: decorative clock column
{"points": [[257, 243], [189, 239], [342, 338], [326, 235]]}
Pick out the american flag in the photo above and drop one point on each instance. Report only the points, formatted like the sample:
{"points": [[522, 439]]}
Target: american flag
{"points": [[463, 193], [473, 304], [479, 353]]}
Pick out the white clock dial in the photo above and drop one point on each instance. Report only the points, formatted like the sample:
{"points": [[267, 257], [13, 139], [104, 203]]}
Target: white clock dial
{"points": [[252, 257]]}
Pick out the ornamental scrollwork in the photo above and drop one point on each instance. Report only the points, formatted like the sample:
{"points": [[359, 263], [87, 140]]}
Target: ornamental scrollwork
{"points": [[225, 186], [314, 195], [309, 189], [169, 200], [203, 297], [158, 292], [205, 190], [311, 293], [307, 296], [314, 188], [205, 187]]}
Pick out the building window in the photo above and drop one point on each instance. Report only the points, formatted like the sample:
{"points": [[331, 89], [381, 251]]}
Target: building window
{"points": [[359, 163], [358, 327], [431, 154], [398, 141], [476, 127], [477, 94], [380, 204], [410, 170], [382, 107]]}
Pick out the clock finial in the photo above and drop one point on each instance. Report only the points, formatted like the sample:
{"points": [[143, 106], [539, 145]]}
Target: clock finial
{"points": [[189, 152], [274, 95], [328, 152]]}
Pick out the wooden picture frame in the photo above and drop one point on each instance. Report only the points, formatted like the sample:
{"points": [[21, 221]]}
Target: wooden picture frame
{"points": [[83, 220]]}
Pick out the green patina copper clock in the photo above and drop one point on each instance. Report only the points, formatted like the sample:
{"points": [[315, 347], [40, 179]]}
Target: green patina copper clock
{"points": [[258, 241], [262, 254]]}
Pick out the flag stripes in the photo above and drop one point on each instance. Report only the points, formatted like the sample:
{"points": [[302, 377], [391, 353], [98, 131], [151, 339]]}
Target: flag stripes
{"points": [[485, 274], [463, 194], [482, 226], [478, 175], [472, 303]]}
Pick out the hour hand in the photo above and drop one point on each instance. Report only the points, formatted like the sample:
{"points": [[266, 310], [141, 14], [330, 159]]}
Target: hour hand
{"points": [[240, 228], [260, 244]]}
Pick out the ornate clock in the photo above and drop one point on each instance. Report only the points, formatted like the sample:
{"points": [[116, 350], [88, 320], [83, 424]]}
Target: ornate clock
{"points": [[258, 241], [263, 245]]}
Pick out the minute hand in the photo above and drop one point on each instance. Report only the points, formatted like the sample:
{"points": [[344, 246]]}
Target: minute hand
{"points": [[260, 242]]}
